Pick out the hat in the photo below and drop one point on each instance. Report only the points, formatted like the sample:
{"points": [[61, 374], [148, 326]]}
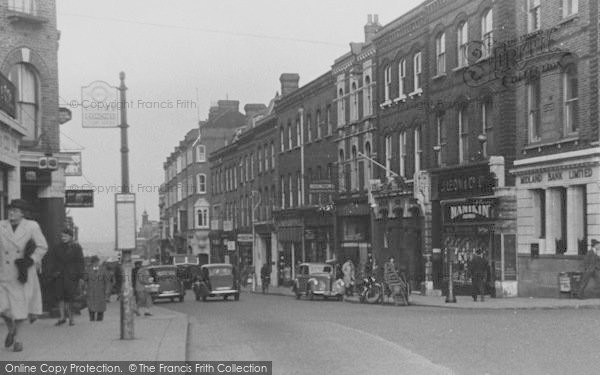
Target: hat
{"points": [[94, 259], [68, 231], [21, 204], [595, 242]]}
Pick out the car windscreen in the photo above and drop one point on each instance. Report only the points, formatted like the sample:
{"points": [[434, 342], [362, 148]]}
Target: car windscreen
{"points": [[219, 271], [320, 269], [163, 273]]}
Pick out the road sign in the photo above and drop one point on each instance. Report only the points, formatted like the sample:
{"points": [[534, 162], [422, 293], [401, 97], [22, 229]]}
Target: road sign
{"points": [[125, 221], [79, 198]]}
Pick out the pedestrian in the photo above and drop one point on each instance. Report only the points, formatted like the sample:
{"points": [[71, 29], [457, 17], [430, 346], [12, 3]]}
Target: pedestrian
{"points": [[22, 246], [143, 300], [369, 265], [479, 268], [265, 277], [348, 271], [67, 268], [98, 285], [591, 264], [134, 277]]}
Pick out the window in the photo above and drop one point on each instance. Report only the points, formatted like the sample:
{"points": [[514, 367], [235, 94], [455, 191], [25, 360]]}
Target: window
{"points": [[290, 144], [201, 184], [388, 156], [463, 42], [341, 108], [441, 141], [251, 161], [266, 150], [259, 156], [570, 7], [298, 133], [570, 94], [282, 191], [367, 97], [417, 72], [282, 139], [28, 99], [401, 79], [202, 217], [308, 129], [463, 136], [487, 126], [418, 150], [369, 168], [272, 155], [23, 6], [179, 164], [534, 15], [402, 152], [487, 32], [290, 191], [440, 52], [354, 103], [354, 171], [318, 124], [387, 78], [299, 188], [341, 179], [179, 191], [200, 153], [533, 108], [328, 120]]}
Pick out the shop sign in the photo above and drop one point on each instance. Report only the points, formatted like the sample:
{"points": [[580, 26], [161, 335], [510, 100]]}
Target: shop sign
{"points": [[464, 183], [231, 245], [227, 225], [73, 167], [99, 105], [470, 211], [324, 186], [79, 198], [8, 97], [244, 237], [557, 175]]}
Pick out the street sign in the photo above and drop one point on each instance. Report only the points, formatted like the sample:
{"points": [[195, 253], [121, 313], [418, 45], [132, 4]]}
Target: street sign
{"points": [[125, 221], [99, 105], [79, 198], [73, 167]]}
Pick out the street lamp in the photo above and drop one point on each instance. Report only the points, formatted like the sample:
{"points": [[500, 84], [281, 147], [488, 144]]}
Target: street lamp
{"points": [[482, 138]]}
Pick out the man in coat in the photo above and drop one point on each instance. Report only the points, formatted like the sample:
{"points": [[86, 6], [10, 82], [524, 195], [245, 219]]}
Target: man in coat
{"points": [[98, 286], [591, 265], [66, 269], [478, 275], [20, 295]]}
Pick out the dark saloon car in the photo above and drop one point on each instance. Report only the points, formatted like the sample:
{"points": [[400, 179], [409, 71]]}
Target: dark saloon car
{"points": [[317, 279], [163, 282], [217, 280]]}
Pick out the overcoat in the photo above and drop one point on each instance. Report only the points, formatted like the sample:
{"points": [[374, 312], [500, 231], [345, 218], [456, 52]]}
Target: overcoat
{"points": [[66, 268], [18, 300], [98, 286]]}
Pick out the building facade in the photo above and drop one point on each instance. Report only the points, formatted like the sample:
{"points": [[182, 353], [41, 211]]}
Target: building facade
{"points": [[307, 155], [187, 180], [558, 155], [353, 116]]}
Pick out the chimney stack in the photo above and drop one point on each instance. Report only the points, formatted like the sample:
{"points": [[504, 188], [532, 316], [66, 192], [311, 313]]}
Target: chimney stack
{"points": [[289, 82], [372, 27]]}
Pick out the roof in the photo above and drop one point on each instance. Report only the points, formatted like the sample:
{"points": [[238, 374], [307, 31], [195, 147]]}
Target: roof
{"points": [[214, 265]]}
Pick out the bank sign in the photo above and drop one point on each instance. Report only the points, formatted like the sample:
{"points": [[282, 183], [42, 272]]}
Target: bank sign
{"points": [[473, 210]]}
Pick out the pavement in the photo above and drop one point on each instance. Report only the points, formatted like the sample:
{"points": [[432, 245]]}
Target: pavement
{"points": [[466, 302], [160, 337]]}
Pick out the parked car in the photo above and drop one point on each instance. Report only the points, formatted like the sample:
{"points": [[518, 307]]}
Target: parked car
{"points": [[164, 282], [317, 279], [217, 280]]}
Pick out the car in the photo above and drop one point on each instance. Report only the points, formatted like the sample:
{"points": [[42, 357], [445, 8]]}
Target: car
{"points": [[317, 279], [163, 282], [188, 272], [217, 280]]}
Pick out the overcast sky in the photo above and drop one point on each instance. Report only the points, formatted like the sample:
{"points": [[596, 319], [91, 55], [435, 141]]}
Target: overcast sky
{"points": [[172, 50]]}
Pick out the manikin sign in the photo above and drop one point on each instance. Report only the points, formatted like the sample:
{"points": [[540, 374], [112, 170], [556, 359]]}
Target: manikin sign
{"points": [[470, 210]]}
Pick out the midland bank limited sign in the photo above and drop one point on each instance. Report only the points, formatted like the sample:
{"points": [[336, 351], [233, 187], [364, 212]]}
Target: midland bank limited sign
{"points": [[472, 210]]}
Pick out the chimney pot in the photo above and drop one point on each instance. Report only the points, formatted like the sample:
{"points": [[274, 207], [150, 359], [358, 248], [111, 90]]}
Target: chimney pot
{"points": [[370, 19], [376, 18]]}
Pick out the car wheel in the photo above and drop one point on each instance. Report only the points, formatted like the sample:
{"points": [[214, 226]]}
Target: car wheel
{"points": [[340, 297], [172, 299], [236, 297], [225, 297], [325, 298], [310, 294]]}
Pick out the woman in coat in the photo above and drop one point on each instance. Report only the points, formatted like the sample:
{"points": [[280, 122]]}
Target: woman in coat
{"points": [[98, 287], [66, 269], [22, 247]]}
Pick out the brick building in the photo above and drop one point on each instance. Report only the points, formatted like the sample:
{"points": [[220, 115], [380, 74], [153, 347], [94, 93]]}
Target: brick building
{"points": [[187, 180], [354, 117], [558, 154], [243, 188], [307, 153]]}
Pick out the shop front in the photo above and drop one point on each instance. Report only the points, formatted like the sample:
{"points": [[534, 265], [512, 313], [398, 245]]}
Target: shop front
{"points": [[476, 213], [11, 132], [289, 238], [558, 216], [353, 230]]}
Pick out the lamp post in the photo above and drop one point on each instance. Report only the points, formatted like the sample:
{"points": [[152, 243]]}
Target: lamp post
{"points": [[450, 298]]}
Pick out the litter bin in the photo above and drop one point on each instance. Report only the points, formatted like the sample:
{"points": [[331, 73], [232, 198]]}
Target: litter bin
{"points": [[568, 283]]}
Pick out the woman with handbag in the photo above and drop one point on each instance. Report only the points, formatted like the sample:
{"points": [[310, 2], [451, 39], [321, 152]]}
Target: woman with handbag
{"points": [[22, 247]]}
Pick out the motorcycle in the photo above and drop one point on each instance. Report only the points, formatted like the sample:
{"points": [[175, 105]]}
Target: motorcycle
{"points": [[372, 291]]}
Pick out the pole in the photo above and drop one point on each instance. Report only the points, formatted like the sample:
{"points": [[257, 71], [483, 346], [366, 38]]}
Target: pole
{"points": [[450, 298], [126, 290]]}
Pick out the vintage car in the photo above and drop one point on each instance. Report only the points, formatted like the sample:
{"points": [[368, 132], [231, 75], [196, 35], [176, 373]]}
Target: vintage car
{"points": [[162, 282], [187, 273], [217, 280], [317, 279]]}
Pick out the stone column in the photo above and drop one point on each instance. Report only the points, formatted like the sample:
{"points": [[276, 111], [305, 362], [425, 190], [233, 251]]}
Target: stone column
{"points": [[553, 219], [575, 215]]}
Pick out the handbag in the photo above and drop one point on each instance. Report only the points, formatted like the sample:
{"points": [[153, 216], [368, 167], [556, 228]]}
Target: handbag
{"points": [[24, 263]]}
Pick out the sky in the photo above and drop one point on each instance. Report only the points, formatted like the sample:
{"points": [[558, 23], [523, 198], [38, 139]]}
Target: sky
{"points": [[180, 57]]}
